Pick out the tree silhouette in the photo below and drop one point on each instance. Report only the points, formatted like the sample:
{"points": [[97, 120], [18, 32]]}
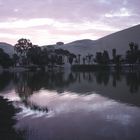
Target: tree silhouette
{"points": [[98, 58], [105, 57], [114, 55], [79, 58], [22, 48], [89, 58], [15, 58], [131, 45], [84, 60], [118, 60], [35, 55], [5, 59], [102, 58], [70, 59], [132, 55]]}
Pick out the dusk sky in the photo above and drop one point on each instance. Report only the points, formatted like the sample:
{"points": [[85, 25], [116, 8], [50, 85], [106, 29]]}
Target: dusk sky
{"points": [[50, 21]]}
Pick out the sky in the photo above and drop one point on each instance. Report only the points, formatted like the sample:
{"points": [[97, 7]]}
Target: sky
{"points": [[50, 21]]}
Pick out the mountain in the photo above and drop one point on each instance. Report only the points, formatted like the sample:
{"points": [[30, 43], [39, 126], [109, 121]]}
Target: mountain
{"points": [[7, 48], [119, 40]]}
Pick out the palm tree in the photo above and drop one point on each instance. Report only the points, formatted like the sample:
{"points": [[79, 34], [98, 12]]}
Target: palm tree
{"points": [[136, 47], [70, 59], [131, 45], [84, 59], [114, 54], [89, 57], [105, 57], [79, 58]]}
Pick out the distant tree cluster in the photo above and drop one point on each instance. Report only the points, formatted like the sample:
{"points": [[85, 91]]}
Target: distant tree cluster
{"points": [[132, 56], [5, 59], [27, 54], [102, 58]]}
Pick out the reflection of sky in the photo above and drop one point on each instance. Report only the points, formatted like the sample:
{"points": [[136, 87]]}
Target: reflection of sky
{"points": [[81, 117], [69, 102], [11, 95]]}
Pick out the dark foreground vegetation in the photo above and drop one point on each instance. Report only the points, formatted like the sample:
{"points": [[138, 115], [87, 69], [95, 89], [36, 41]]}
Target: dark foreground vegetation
{"points": [[7, 121]]}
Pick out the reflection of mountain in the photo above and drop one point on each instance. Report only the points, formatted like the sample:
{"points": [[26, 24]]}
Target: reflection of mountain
{"points": [[76, 113], [124, 87], [116, 85]]}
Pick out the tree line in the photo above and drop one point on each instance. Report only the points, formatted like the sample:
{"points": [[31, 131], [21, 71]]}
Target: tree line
{"points": [[27, 54], [131, 56]]}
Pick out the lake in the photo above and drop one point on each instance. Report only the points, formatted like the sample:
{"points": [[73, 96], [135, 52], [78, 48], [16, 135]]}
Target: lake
{"points": [[100, 105]]}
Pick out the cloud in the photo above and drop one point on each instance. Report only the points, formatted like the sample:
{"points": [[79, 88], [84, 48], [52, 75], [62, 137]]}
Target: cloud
{"points": [[67, 18], [26, 23], [123, 12], [70, 10], [53, 30]]}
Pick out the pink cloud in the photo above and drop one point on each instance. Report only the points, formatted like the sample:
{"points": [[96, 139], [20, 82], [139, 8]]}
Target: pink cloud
{"points": [[66, 17]]}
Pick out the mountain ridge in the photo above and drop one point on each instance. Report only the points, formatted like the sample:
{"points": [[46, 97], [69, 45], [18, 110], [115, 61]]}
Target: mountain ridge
{"points": [[119, 40], [7, 48]]}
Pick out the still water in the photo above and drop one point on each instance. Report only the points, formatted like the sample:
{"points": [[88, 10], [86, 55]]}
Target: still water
{"points": [[99, 105]]}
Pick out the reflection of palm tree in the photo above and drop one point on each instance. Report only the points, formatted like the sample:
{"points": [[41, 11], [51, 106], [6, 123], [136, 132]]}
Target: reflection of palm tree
{"points": [[102, 77], [133, 81], [84, 75], [114, 82], [79, 77], [89, 77]]}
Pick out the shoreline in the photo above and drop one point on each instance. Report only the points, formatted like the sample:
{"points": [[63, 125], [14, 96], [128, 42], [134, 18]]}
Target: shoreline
{"points": [[76, 67], [96, 67]]}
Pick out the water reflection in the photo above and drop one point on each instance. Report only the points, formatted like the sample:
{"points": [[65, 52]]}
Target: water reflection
{"points": [[76, 105], [133, 81], [120, 86], [5, 79], [30, 82], [74, 116]]}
